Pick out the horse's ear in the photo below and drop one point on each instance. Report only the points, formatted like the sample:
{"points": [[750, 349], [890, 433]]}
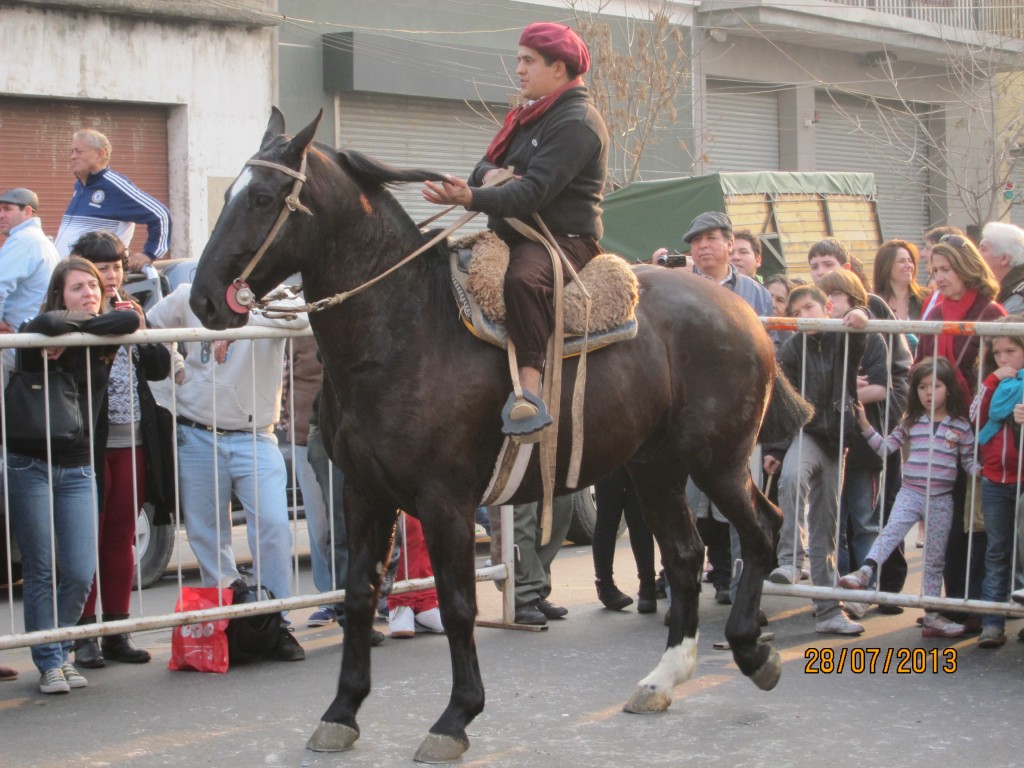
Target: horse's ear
{"points": [[275, 127], [298, 145]]}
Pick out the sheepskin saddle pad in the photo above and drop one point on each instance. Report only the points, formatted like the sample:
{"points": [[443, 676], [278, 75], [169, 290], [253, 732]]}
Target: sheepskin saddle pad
{"points": [[478, 264]]}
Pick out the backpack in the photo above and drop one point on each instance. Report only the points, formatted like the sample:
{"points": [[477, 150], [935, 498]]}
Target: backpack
{"points": [[252, 637]]}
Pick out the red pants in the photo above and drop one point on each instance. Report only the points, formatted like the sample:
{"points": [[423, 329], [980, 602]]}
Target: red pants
{"points": [[418, 568], [529, 293], [118, 512]]}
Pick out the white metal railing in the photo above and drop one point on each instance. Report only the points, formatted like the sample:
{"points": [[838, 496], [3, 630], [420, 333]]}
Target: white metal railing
{"points": [[10, 637], [1003, 19]]}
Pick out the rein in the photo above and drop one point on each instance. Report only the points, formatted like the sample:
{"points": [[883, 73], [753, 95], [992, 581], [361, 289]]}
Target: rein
{"points": [[247, 300]]}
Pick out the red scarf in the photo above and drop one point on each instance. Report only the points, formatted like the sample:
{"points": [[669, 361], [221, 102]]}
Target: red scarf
{"points": [[524, 115], [954, 310]]}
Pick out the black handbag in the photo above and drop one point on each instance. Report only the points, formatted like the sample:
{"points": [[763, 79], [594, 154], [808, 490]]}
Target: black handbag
{"points": [[25, 408]]}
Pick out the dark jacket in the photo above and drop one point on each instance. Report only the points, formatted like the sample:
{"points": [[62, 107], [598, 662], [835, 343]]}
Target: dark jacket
{"points": [[874, 365], [562, 160], [823, 384], [73, 360]]}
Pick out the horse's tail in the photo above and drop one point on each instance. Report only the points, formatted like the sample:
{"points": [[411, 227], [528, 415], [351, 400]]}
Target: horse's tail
{"points": [[787, 411]]}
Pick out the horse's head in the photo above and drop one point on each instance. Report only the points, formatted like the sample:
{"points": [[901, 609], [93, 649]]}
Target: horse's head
{"points": [[252, 223]]}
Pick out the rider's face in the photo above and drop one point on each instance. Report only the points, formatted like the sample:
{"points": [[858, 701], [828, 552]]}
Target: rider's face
{"points": [[537, 78]]}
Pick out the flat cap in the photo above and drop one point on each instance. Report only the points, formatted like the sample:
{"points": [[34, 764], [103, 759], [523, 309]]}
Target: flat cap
{"points": [[20, 196], [705, 221]]}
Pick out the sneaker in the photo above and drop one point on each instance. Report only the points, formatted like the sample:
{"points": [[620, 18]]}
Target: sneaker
{"points": [[52, 681], [785, 574], [75, 678], [838, 625], [935, 625], [1017, 596], [401, 622], [856, 610], [992, 637], [430, 621], [805, 573], [859, 579], [321, 617]]}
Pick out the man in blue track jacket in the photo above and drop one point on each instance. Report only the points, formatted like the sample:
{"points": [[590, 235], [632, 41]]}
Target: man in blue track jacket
{"points": [[104, 199]]}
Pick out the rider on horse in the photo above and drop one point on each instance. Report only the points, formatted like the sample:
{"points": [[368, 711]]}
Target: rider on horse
{"points": [[557, 147]]}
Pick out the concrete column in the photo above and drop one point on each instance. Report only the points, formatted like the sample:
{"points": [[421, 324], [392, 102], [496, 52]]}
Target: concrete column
{"points": [[796, 129]]}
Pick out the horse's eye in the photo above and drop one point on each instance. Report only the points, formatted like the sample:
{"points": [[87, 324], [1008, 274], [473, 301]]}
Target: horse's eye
{"points": [[262, 201]]}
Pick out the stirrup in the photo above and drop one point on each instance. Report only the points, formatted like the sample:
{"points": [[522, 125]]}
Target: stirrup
{"points": [[524, 417]]}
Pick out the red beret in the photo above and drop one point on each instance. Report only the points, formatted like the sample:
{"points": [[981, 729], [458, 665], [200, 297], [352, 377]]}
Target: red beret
{"points": [[558, 42]]}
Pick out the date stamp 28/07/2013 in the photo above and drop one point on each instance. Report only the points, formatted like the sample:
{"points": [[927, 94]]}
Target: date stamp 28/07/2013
{"points": [[902, 661]]}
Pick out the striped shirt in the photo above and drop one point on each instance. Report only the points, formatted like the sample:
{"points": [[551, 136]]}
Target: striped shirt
{"points": [[945, 443]]}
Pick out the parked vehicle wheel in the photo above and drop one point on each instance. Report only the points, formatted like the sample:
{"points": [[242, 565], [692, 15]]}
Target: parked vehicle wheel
{"points": [[153, 547], [584, 515]]}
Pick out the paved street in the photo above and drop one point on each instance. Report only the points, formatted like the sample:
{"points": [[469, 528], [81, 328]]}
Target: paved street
{"points": [[553, 699]]}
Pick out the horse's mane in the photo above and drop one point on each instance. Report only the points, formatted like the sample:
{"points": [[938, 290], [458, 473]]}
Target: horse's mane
{"points": [[368, 168]]}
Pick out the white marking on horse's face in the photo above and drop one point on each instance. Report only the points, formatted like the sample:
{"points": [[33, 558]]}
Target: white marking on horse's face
{"points": [[240, 184], [677, 665]]}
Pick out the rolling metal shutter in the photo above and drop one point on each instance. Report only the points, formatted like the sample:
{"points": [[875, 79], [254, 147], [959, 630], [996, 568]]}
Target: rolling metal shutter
{"points": [[852, 137], [407, 132], [37, 144], [742, 128]]}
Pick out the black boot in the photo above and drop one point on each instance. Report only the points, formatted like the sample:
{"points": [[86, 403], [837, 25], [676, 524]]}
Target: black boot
{"points": [[611, 596], [120, 647], [87, 651], [647, 600]]}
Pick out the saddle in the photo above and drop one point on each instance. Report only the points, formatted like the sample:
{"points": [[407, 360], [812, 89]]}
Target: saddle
{"points": [[478, 265]]}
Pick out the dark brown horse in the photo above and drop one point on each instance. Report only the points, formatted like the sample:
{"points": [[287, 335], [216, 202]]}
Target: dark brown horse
{"points": [[413, 402]]}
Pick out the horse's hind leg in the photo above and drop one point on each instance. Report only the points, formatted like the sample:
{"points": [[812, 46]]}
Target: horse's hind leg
{"points": [[734, 494], [660, 489], [451, 541], [370, 531]]}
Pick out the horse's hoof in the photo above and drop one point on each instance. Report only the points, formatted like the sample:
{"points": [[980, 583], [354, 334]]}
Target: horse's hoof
{"points": [[332, 737], [438, 748], [767, 677], [647, 699]]}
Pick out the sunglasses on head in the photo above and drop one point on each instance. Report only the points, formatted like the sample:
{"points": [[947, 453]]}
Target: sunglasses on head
{"points": [[955, 240]]}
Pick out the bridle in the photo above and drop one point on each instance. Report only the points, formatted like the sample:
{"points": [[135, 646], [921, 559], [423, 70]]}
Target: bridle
{"points": [[240, 297]]}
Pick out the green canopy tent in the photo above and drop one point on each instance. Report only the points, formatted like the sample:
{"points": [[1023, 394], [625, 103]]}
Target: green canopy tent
{"points": [[788, 212]]}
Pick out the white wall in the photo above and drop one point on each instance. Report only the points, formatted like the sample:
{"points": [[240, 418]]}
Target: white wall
{"points": [[218, 80]]}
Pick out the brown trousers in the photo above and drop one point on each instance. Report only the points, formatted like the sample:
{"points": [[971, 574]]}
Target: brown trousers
{"points": [[529, 293]]}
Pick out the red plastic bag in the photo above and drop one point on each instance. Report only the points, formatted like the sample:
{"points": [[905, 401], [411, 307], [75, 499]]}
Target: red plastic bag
{"points": [[202, 647]]}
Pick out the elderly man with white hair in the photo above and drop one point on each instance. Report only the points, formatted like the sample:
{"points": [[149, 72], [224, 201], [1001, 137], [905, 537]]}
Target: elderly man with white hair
{"points": [[1002, 246]]}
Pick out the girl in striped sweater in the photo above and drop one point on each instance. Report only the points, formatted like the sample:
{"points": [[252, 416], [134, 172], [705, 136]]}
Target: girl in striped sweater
{"points": [[939, 436]]}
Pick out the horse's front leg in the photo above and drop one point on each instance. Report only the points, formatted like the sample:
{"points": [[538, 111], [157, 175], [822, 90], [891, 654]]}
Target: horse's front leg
{"points": [[370, 532], [663, 503], [451, 540]]}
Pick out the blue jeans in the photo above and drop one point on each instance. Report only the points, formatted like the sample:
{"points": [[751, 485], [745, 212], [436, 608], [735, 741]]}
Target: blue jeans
{"points": [[332, 483], [858, 517], [259, 480], [999, 504], [317, 522], [74, 528]]}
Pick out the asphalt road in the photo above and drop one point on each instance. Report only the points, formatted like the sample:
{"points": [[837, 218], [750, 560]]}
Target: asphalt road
{"points": [[553, 698]]}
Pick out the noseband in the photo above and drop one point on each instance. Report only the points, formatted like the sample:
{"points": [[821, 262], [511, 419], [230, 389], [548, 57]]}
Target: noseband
{"points": [[240, 297]]}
